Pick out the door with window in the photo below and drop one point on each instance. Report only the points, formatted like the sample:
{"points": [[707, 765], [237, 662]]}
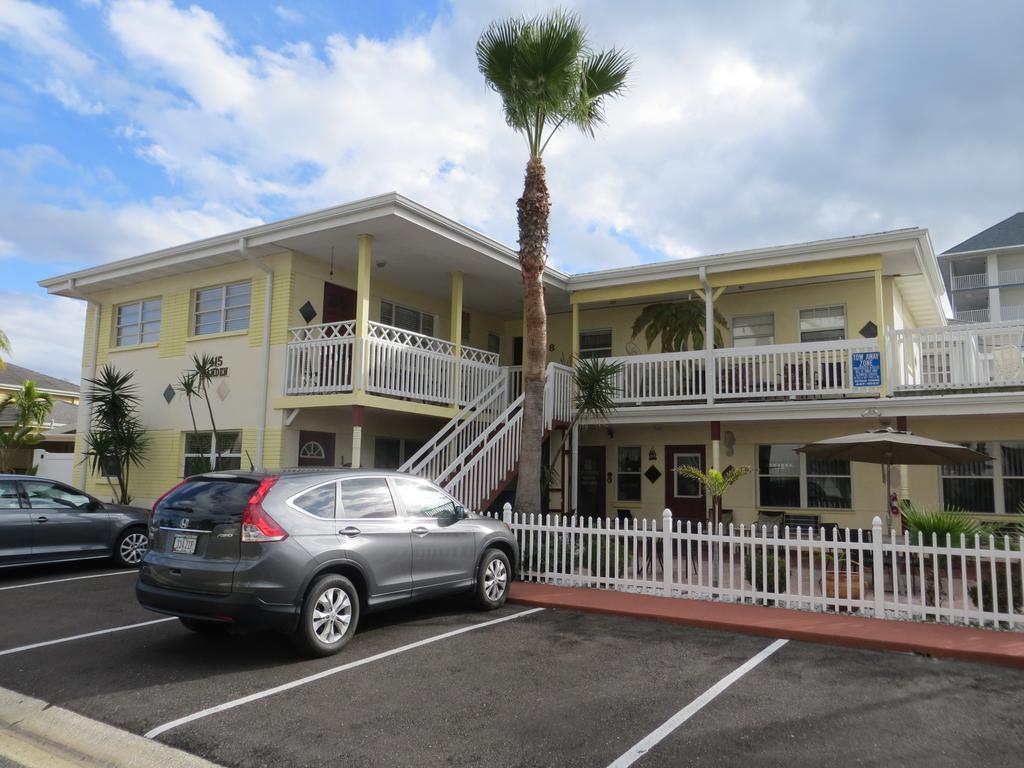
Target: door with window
{"points": [[339, 303], [373, 536], [443, 547], [65, 521], [590, 497], [684, 496], [316, 449], [15, 525]]}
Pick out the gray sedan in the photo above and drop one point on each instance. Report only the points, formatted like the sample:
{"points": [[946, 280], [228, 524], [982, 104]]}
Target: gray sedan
{"points": [[43, 521]]}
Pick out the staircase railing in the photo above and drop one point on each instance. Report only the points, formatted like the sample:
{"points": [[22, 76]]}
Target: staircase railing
{"points": [[463, 429]]}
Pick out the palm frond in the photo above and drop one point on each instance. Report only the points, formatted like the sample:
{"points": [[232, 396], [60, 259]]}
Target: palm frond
{"points": [[5, 348]]}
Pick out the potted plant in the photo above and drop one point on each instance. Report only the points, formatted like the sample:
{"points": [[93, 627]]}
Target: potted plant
{"points": [[833, 579]]}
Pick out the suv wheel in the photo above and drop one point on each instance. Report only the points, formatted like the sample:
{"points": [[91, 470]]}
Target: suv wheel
{"points": [[492, 580], [329, 616], [131, 547]]}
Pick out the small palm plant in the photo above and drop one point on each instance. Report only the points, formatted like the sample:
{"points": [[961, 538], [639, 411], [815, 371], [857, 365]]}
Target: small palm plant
{"points": [[595, 386], [5, 347], [715, 483], [679, 325]]}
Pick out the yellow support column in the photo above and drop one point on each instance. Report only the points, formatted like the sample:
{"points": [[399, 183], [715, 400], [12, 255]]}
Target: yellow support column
{"points": [[575, 331], [456, 335], [362, 310]]}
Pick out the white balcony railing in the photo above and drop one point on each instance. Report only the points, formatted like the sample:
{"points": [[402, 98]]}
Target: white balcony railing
{"points": [[319, 358], [974, 315], [665, 378], [982, 355], [322, 359], [966, 282], [823, 368], [1011, 276], [1011, 312]]}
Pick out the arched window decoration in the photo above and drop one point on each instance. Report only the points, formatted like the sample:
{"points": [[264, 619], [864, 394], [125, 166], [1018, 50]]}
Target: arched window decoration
{"points": [[312, 450]]}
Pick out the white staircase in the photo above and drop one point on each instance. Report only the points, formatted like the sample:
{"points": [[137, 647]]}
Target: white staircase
{"points": [[476, 454]]}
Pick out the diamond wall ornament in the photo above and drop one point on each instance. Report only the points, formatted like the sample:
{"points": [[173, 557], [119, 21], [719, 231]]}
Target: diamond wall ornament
{"points": [[308, 312], [223, 390], [869, 331], [169, 394], [652, 474]]}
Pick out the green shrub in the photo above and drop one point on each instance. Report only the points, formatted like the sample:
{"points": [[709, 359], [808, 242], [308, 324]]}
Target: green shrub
{"points": [[940, 522], [754, 568], [987, 603]]}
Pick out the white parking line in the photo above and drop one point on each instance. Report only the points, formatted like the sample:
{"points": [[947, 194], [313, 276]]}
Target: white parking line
{"points": [[327, 673], [643, 746], [72, 578], [21, 648]]}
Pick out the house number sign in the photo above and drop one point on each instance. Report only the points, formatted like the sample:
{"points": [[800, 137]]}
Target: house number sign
{"points": [[219, 369]]}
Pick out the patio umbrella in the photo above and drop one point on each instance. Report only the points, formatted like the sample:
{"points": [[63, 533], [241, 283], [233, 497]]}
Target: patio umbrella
{"points": [[889, 446]]}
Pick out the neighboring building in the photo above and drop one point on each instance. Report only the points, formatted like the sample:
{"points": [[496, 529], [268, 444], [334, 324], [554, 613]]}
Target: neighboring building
{"points": [[985, 274], [59, 430], [353, 335]]}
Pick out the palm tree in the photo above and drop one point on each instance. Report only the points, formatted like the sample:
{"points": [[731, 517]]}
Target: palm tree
{"points": [[116, 440], [5, 347], [32, 408], [204, 369], [679, 324], [715, 483], [547, 75], [594, 383]]}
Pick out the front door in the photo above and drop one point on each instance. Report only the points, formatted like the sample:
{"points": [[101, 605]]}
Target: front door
{"points": [[316, 449], [339, 303], [590, 499], [683, 495]]}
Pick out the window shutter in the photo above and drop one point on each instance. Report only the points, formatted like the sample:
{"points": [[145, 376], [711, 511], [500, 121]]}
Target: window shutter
{"points": [[387, 313], [427, 324]]}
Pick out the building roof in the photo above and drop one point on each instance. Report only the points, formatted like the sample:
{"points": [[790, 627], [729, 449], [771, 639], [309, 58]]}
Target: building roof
{"points": [[13, 376], [1008, 232]]}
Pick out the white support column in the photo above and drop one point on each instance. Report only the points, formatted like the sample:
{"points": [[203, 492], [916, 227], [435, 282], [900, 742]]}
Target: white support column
{"points": [[456, 334], [710, 378], [357, 436], [575, 466], [995, 308]]}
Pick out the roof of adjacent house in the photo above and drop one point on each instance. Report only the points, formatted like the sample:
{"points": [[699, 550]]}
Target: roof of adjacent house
{"points": [[13, 376], [1006, 233]]}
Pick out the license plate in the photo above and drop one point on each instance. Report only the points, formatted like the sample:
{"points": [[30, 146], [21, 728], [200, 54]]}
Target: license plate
{"points": [[184, 545]]}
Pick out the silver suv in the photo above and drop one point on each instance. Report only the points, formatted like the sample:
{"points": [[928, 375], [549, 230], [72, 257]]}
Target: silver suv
{"points": [[307, 552]]}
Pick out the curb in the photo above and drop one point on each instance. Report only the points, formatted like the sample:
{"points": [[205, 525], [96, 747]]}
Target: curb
{"points": [[939, 641], [35, 734]]}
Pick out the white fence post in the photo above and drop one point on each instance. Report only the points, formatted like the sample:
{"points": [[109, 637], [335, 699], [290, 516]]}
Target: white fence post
{"points": [[666, 545], [878, 581], [506, 512]]}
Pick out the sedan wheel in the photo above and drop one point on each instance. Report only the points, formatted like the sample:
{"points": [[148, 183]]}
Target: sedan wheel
{"points": [[132, 547]]}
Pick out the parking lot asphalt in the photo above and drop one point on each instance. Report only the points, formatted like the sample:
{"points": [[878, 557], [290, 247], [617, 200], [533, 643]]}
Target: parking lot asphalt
{"points": [[441, 684]]}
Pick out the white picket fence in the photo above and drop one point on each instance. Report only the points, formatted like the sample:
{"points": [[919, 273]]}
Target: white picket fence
{"points": [[972, 583]]}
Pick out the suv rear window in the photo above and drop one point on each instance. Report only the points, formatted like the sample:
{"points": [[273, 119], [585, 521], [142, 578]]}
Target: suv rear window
{"points": [[208, 500]]}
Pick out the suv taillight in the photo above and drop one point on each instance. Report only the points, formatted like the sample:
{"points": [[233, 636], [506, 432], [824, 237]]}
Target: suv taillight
{"points": [[257, 525]]}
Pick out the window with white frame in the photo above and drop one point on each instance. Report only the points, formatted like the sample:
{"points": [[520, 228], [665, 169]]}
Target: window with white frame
{"points": [[209, 451], [996, 486], [823, 323], [406, 318], [222, 308], [137, 323], [493, 342], [786, 478], [595, 344], [629, 473], [753, 330]]}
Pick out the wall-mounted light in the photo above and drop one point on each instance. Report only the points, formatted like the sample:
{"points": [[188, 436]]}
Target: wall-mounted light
{"points": [[652, 455], [609, 478]]}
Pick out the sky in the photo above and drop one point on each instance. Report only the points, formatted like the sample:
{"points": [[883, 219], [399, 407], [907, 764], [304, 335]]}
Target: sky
{"points": [[132, 125]]}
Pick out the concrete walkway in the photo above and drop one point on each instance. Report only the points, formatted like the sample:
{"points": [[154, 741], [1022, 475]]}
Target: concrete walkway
{"points": [[938, 640]]}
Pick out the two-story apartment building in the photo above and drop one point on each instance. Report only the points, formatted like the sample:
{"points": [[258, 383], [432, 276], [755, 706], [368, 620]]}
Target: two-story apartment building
{"points": [[985, 274], [382, 333]]}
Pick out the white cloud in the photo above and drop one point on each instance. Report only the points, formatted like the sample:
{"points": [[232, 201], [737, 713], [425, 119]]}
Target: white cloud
{"points": [[38, 30], [70, 97], [288, 14], [45, 332]]}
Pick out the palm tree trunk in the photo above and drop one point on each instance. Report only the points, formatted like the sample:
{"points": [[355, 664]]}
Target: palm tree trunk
{"points": [[534, 207]]}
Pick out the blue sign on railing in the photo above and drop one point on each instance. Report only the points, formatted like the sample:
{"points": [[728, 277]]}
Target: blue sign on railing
{"points": [[866, 369]]}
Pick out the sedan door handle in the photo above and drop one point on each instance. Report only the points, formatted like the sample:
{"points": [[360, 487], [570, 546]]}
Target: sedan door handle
{"points": [[350, 531], [420, 531], [42, 519]]}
